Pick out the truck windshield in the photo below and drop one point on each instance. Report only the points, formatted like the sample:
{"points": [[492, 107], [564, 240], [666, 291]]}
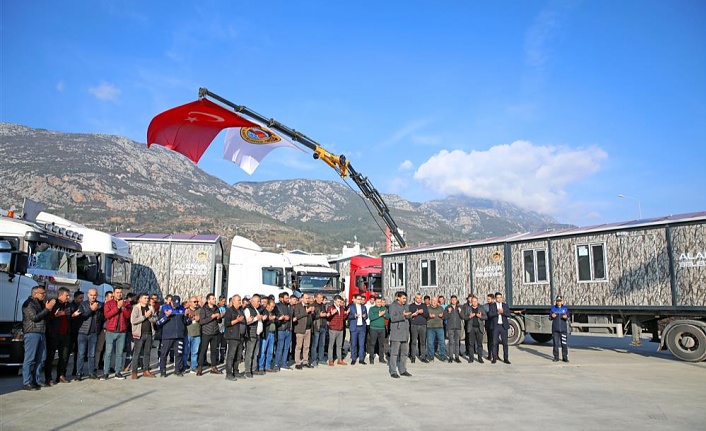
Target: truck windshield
{"points": [[314, 282], [376, 282], [117, 271], [51, 261]]}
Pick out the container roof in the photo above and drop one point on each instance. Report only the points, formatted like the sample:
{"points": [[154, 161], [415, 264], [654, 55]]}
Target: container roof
{"points": [[167, 237]]}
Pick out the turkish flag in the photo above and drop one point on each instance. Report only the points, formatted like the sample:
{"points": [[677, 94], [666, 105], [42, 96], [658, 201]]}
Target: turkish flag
{"points": [[189, 129]]}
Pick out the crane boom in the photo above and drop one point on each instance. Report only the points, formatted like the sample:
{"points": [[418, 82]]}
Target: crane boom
{"points": [[339, 163]]}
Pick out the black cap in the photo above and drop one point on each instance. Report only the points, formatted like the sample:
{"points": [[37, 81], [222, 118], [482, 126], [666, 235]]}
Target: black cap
{"points": [[558, 298]]}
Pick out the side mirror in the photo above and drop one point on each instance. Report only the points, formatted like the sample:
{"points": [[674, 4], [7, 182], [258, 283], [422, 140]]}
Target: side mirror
{"points": [[5, 255], [19, 265]]}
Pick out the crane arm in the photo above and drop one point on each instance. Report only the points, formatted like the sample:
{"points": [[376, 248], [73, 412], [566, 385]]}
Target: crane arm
{"points": [[339, 163]]}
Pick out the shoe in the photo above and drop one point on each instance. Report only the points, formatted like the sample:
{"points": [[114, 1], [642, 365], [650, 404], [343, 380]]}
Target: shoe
{"points": [[382, 361], [431, 360], [457, 360], [340, 362], [112, 370], [215, 370], [372, 361], [565, 359], [62, 379], [148, 374], [298, 367], [134, 376], [406, 374], [555, 360], [180, 374], [480, 360], [395, 376], [414, 359], [248, 376], [239, 375], [231, 378], [199, 371], [78, 377], [93, 376], [119, 376], [36, 386], [425, 360], [363, 363], [507, 361], [51, 383], [260, 372], [450, 360], [308, 366], [353, 362], [287, 368], [492, 361], [488, 358], [163, 375], [330, 363], [30, 388], [104, 377]]}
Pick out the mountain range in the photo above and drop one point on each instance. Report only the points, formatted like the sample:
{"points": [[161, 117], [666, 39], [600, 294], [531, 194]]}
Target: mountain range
{"points": [[113, 184]]}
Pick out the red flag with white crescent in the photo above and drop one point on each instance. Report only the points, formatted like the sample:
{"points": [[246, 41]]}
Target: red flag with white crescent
{"points": [[189, 129]]}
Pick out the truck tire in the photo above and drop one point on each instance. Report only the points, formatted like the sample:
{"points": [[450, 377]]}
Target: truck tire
{"points": [[687, 342], [515, 334], [540, 338]]}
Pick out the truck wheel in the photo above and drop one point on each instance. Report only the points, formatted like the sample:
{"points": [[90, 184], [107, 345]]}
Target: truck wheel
{"points": [[540, 338], [515, 335], [687, 342]]}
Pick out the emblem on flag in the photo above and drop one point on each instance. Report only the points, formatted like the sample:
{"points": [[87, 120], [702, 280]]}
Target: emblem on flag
{"points": [[257, 135]]}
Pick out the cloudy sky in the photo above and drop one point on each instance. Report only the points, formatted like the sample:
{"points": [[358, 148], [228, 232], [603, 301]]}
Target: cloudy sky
{"points": [[555, 106]]}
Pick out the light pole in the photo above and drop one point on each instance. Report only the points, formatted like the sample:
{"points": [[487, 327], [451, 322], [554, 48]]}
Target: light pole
{"points": [[639, 207]]}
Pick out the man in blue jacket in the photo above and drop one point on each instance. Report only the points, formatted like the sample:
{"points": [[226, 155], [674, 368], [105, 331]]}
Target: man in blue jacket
{"points": [[173, 321], [559, 315]]}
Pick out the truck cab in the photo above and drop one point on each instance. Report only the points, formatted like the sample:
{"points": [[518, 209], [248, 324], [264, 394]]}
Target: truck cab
{"points": [[31, 254]]}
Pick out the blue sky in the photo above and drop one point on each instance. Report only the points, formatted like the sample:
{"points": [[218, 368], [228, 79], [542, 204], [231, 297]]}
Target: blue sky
{"points": [[556, 106]]}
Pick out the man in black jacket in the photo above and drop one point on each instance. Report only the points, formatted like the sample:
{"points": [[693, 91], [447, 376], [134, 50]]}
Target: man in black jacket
{"points": [[255, 326], [209, 318], [284, 331], [34, 316], [58, 337], [234, 335], [420, 315], [498, 314], [91, 324]]}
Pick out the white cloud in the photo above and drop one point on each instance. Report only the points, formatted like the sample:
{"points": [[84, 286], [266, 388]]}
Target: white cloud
{"points": [[60, 87], [406, 165], [105, 91], [530, 176], [397, 185]]}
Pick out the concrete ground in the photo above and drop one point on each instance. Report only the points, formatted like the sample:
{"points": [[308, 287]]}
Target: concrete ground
{"points": [[607, 384]]}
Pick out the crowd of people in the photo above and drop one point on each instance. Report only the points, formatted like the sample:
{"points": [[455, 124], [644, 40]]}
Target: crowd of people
{"points": [[264, 334]]}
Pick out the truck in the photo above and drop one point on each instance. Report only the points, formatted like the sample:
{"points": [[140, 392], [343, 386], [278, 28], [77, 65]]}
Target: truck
{"points": [[637, 275], [359, 274], [252, 270], [32, 254], [105, 261]]}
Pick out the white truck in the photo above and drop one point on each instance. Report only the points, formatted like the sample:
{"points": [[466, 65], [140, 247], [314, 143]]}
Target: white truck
{"points": [[105, 261], [252, 270], [30, 254]]}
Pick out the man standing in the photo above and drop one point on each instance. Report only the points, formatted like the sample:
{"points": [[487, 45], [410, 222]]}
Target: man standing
{"points": [[435, 330], [377, 315], [192, 342], [320, 328], [34, 315], [559, 315], [58, 337], [368, 305], [399, 336], [117, 314], [475, 317], [267, 344], [490, 299], [356, 325], [234, 334], [75, 325], [336, 316], [90, 327], [498, 315], [284, 331], [253, 320], [209, 318], [173, 321], [142, 319], [420, 315], [302, 329], [453, 328]]}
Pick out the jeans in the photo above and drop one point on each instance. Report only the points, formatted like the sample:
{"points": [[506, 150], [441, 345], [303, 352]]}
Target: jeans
{"points": [[434, 335], [117, 339], [267, 347], [86, 342], [358, 344], [191, 350], [35, 348], [284, 341], [318, 346]]}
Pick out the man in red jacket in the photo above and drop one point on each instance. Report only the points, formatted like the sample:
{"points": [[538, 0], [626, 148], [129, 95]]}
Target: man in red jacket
{"points": [[336, 315], [117, 315]]}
